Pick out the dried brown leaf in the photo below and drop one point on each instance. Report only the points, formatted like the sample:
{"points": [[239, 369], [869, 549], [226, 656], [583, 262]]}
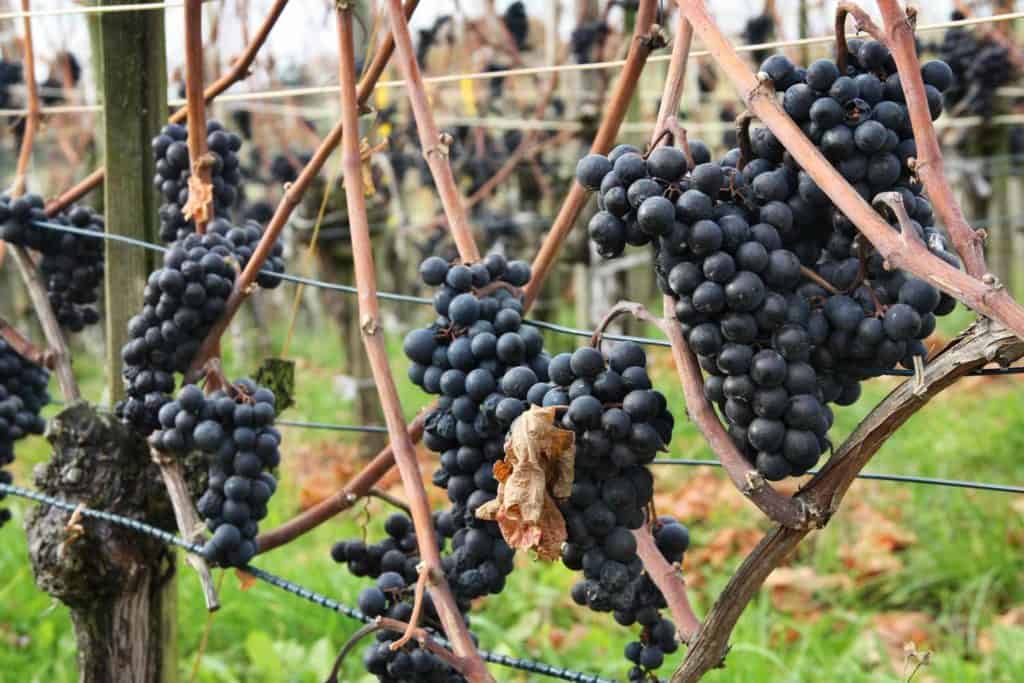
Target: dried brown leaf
{"points": [[537, 470], [245, 580], [793, 589]]}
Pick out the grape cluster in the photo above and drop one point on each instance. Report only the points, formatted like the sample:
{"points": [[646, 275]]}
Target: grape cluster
{"points": [[620, 423], [759, 29], [10, 74], [173, 168], [183, 300], [634, 194], [786, 304], [586, 38], [235, 429], [481, 359], [71, 264], [393, 563], [518, 23], [22, 396], [979, 66]]}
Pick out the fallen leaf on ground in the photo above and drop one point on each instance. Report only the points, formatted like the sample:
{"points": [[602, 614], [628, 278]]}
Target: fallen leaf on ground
{"points": [[1011, 619], [726, 543], [793, 589], [704, 492], [889, 638], [879, 539]]}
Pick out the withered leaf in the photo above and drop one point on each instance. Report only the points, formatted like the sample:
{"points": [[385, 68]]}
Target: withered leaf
{"points": [[537, 471]]}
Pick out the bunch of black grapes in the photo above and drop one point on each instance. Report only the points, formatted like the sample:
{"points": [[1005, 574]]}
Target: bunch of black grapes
{"points": [[10, 74], [183, 300], [586, 38], [759, 29], [979, 65], [71, 264], [234, 427], [481, 359], [393, 563], [518, 23], [745, 251], [620, 423], [173, 168], [635, 194], [22, 396]]}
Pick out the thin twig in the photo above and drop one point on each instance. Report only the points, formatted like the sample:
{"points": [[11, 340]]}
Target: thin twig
{"points": [[985, 296], [373, 341], [24, 347], [389, 499], [59, 351], [189, 524], [32, 118], [643, 43], [435, 146], [200, 188], [818, 280], [350, 645], [417, 607], [675, 80]]}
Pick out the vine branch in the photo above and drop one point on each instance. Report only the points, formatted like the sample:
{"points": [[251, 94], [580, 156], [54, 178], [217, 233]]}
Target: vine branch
{"points": [[435, 146], [200, 189], [356, 488], [59, 352], [899, 38], [373, 340], [980, 344], [675, 79]]}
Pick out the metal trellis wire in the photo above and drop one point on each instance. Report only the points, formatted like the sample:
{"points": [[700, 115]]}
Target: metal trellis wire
{"points": [[289, 586], [406, 298]]}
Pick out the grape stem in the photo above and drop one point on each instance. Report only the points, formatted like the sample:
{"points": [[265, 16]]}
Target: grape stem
{"points": [[435, 145], [818, 280], [189, 524], [292, 196], [373, 340], [32, 118], [417, 607], [743, 138], [862, 22], [239, 71], [386, 623], [985, 295], [645, 40]]}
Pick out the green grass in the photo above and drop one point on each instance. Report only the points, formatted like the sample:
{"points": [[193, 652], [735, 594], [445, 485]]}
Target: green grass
{"points": [[963, 571]]}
